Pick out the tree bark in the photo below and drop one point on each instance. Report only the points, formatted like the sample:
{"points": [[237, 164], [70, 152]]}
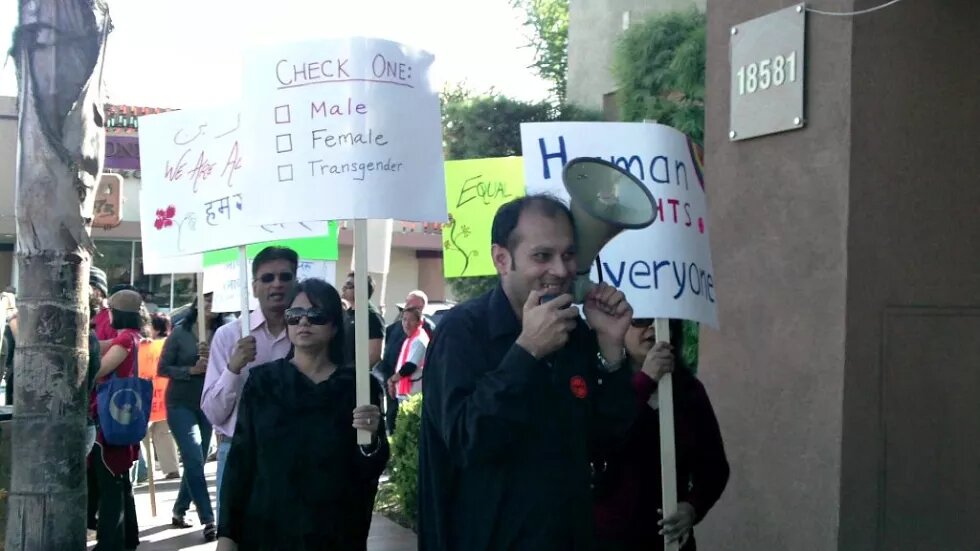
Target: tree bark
{"points": [[59, 48]]}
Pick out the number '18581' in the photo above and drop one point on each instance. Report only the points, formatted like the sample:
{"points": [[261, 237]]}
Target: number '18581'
{"points": [[767, 73]]}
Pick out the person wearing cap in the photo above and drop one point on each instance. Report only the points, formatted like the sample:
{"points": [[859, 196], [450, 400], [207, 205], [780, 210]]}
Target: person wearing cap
{"points": [[99, 291], [117, 525]]}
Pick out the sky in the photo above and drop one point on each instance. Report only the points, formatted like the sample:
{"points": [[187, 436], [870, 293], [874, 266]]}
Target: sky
{"points": [[188, 53]]}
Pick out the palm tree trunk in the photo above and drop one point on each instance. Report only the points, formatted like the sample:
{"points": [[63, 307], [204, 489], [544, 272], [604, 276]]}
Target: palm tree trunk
{"points": [[59, 47]]}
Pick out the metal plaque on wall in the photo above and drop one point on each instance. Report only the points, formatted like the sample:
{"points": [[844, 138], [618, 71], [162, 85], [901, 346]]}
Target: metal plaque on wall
{"points": [[767, 74]]}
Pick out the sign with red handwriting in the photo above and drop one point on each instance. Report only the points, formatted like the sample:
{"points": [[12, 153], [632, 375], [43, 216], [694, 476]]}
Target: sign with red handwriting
{"points": [[665, 269], [195, 165], [344, 128]]}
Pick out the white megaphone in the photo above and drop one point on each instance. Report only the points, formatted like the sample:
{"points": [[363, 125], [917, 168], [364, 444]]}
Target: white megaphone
{"points": [[605, 200]]}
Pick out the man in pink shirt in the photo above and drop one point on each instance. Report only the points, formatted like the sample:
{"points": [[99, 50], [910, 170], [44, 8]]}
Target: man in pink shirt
{"points": [[231, 356]]}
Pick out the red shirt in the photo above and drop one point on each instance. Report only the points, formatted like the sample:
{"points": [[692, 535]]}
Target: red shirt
{"points": [[103, 326], [117, 459]]}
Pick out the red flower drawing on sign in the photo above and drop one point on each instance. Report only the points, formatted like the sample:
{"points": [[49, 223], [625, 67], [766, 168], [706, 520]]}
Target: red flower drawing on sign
{"points": [[165, 217]]}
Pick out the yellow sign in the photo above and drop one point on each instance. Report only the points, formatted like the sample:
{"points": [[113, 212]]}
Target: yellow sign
{"points": [[475, 189]]}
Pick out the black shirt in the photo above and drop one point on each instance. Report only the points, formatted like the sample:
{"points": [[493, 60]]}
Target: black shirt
{"points": [[505, 441], [296, 478], [376, 330]]}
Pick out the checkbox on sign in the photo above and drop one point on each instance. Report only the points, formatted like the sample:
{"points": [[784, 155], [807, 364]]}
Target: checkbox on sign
{"points": [[285, 173], [282, 114], [284, 143]]}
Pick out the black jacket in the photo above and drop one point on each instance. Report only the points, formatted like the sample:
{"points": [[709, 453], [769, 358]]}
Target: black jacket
{"points": [[504, 447], [295, 478]]}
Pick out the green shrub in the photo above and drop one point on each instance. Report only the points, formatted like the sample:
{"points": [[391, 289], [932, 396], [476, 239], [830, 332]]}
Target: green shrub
{"points": [[404, 464]]}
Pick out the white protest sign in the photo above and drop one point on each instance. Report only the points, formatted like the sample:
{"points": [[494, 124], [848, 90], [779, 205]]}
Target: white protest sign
{"points": [[194, 164], [224, 282], [665, 269], [350, 125], [154, 264]]}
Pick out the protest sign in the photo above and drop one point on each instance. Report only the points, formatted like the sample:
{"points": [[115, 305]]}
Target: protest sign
{"points": [[353, 123], [224, 281], [154, 264], [318, 258], [194, 166], [149, 358], [475, 189], [665, 270]]}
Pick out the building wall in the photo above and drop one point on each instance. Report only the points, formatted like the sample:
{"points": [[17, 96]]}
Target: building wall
{"points": [[8, 166], [845, 375], [775, 371], [911, 444], [593, 27]]}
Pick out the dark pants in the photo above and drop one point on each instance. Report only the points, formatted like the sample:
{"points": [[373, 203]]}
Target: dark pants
{"points": [[118, 529], [192, 431], [391, 412]]}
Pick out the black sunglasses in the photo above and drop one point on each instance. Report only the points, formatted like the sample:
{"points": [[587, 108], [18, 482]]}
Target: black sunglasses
{"points": [[284, 277], [642, 322], [314, 315]]}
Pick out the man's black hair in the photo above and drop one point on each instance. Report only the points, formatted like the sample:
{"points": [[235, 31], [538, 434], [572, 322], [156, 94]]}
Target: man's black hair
{"points": [[370, 283], [505, 221], [271, 254]]}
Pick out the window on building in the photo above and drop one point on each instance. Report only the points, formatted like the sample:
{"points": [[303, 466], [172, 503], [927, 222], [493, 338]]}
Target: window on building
{"points": [[122, 262]]}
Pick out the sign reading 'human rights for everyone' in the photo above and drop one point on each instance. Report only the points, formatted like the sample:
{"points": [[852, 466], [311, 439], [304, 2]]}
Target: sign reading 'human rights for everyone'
{"points": [[664, 269], [345, 128]]}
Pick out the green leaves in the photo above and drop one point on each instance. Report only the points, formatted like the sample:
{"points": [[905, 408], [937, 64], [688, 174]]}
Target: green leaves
{"points": [[659, 66], [548, 20]]}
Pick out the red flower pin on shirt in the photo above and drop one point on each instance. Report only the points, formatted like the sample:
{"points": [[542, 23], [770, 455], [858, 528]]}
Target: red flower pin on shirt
{"points": [[165, 217], [578, 386]]}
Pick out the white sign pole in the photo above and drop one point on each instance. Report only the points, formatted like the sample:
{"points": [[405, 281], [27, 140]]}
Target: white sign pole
{"points": [[202, 331], [362, 369], [668, 459], [172, 291], [244, 287]]}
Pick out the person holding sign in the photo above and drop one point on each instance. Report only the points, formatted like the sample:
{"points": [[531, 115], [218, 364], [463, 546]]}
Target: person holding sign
{"points": [[517, 390], [296, 477], [231, 356], [627, 483], [185, 361]]}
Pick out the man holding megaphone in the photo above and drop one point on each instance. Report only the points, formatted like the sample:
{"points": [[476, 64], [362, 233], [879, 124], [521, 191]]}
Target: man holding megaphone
{"points": [[518, 390]]}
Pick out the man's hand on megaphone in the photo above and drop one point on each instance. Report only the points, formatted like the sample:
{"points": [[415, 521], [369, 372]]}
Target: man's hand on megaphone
{"points": [[545, 327], [608, 313]]}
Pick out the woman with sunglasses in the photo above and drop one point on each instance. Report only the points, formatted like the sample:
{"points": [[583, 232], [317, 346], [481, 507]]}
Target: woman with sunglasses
{"points": [[296, 478], [626, 482]]}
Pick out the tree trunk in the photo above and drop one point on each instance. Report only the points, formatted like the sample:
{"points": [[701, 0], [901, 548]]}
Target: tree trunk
{"points": [[58, 46]]}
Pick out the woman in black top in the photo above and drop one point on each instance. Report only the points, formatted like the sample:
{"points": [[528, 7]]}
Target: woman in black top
{"points": [[185, 360], [296, 479]]}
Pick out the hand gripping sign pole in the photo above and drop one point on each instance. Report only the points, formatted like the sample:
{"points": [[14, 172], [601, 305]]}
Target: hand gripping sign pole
{"points": [[362, 369], [665, 410]]}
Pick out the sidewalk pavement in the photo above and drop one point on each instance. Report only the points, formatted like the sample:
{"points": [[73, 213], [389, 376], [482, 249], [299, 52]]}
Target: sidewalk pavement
{"points": [[156, 533]]}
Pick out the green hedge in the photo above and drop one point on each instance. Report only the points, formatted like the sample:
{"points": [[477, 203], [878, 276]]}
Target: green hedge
{"points": [[404, 464]]}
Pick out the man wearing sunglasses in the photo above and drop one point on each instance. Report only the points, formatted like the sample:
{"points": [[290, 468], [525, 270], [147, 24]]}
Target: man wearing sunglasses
{"points": [[230, 356]]}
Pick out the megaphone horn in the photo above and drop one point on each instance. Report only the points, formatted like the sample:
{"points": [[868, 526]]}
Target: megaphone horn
{"points": [[605, 200]]}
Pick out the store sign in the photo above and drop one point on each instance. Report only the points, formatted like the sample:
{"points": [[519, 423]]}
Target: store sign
{"points": [[767, 74], [122, 152], [108, 201]]}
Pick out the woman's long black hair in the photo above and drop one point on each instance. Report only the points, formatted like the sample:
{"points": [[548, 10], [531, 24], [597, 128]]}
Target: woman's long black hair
{"points": [[324, 296]]}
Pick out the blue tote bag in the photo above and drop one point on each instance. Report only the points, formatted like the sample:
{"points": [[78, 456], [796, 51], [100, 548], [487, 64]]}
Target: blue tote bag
{"points": [[124, 406]]}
